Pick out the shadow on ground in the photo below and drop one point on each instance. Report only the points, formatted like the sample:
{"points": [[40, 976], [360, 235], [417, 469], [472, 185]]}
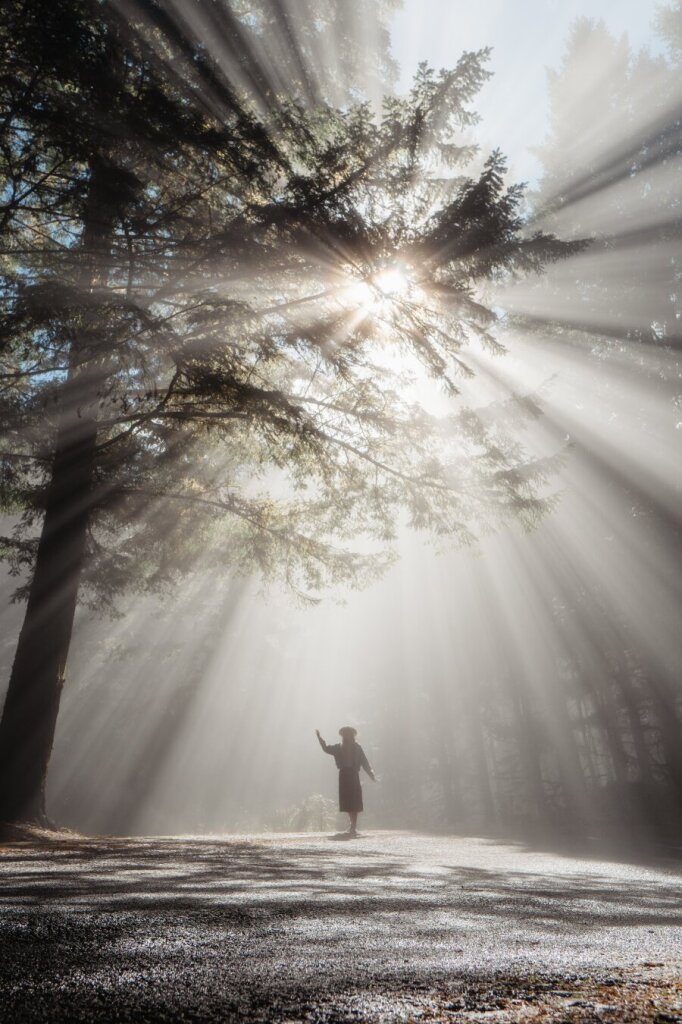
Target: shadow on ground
{"points": [[270, 927]]}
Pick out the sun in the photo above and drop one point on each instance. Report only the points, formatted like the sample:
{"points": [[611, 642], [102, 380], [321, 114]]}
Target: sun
{"points": [[380, 291], [393, 282]]}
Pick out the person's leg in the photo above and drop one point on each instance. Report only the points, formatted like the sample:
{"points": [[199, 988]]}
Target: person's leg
{"points": [[353, 815]]}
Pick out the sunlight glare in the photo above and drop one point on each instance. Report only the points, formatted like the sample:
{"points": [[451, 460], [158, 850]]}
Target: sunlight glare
{"points": [[393, 282], [379, 292]]}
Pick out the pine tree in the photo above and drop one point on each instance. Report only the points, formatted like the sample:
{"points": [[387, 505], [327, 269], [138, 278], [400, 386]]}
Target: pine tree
{"points": [[613, 159], [214, 295]]}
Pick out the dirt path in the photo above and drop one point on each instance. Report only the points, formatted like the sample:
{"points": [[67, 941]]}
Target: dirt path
{"points": [[391, 927]]}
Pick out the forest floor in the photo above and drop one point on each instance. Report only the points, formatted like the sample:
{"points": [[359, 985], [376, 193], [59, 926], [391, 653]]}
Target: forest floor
{"points": [[388, 927]]}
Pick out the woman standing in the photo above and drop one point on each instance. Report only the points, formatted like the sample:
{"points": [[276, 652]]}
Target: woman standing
{"points": [[350, 758]]}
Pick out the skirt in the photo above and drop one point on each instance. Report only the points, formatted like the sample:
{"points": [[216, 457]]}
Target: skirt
{"points": [[350, 790]]}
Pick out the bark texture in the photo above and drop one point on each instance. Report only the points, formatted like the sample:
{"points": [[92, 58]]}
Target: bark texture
{"points": [[29, 716]]}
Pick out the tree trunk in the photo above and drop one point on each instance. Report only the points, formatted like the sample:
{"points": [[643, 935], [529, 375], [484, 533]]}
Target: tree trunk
{"points": [[445, 751], [528, 728], [30, 713], [32, 702], [486, 809]]}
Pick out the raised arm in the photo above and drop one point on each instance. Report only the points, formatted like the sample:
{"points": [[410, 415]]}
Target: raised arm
{"points": [[324, 746]]}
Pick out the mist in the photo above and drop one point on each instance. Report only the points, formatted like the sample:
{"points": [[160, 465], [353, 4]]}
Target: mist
{"points": [[526, 684]]}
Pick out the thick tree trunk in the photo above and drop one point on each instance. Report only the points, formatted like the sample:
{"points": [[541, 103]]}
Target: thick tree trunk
{"points": [[32, 702]]}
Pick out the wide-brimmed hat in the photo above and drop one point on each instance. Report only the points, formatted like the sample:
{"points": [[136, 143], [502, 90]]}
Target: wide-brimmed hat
{"points": [[348, 730]]}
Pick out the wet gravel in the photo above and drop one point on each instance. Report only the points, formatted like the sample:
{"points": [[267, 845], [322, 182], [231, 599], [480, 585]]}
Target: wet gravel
{"points": [[389, 927]]}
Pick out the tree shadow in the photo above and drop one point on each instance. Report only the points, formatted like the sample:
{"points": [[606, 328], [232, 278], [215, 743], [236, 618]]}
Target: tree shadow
{"points": [[236, 925], [303, 877]]}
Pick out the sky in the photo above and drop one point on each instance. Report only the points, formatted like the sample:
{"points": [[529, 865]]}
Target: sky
{"points": [[527, 38]]}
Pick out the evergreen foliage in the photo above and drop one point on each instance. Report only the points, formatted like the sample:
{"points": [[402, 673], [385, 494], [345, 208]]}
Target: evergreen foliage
{"points": [[200, 361], [217, 335]]}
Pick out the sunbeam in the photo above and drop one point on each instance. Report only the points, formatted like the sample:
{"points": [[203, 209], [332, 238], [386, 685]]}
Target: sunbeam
{"points": [[311, 316], [341, 496]]}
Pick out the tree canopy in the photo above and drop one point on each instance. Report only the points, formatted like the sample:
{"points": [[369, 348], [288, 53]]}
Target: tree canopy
{"points": [[223, 297], [222, 273]]}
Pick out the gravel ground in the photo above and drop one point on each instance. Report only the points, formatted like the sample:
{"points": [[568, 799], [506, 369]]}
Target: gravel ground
{"points": [[389, 927]]}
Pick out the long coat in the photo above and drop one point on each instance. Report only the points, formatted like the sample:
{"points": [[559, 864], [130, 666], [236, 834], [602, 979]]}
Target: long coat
{"points": [[350, 758]]}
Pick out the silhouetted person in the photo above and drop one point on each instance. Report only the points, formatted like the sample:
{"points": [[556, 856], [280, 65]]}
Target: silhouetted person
{"points": [[350, 758]]}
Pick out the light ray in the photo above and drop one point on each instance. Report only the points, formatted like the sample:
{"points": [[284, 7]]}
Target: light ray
{"points": [[532, 683]]}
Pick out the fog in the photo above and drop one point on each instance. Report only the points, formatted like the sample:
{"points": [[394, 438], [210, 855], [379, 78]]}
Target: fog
{"points": [[525, 685]]}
